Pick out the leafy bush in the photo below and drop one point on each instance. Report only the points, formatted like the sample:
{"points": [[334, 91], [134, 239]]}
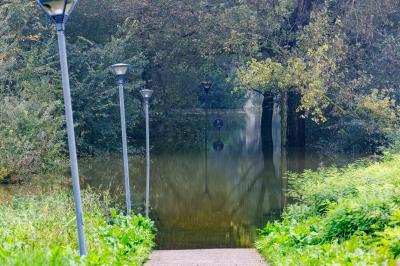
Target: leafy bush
{"points": [[31, 138], [41, 230], [31, 114], [348, 216]]}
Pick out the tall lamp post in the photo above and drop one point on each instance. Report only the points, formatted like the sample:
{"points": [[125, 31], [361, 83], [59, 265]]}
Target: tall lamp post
{"points": [[120, 71], [59, 11], [206, 85], [146, 94]]}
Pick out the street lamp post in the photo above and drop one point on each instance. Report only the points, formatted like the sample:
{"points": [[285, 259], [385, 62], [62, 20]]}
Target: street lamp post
{"points": [[146, 94], [59, 11], [120, 71], [206, 85]]}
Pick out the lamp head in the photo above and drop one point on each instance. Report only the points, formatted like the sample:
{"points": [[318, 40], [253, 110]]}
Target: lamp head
{"points": [[146, 94], [120, 70], [206, 86], [58, 10]]}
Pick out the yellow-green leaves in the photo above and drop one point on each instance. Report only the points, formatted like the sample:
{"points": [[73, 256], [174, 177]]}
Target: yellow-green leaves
{"points": [[380, 106], [263, 75], [308, 76]]}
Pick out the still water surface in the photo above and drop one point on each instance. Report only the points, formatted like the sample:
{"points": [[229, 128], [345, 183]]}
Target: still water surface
{"points": [[210, 188]]}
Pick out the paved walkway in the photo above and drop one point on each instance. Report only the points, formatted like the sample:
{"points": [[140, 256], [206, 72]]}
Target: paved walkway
{"points": [[206, 257]]}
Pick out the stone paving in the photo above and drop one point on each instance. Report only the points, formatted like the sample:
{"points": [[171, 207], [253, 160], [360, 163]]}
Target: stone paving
{"points": [[206, 257]]}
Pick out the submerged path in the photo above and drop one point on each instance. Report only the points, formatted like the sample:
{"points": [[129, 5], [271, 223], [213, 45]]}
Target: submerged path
{"points": [[206, 257]]}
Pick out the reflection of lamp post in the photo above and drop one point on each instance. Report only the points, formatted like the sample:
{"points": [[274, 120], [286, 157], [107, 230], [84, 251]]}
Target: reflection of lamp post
{"points": [[218, 144], [206, 87], [59, 11], [146, 94], [120, 70]]}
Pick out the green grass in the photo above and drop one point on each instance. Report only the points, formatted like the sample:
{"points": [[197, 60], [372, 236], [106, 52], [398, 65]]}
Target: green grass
{"points": [[348, 216], [40, 229]]}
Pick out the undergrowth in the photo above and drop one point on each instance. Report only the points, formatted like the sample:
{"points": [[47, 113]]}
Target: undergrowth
{"points": [[41, 230], [347, 216]]}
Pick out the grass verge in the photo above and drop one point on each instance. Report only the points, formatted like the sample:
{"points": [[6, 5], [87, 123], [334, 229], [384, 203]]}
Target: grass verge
{"points": [[347, 216], [40, 229]]}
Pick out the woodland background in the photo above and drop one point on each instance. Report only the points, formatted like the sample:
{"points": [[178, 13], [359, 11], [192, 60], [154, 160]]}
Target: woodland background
{"points": [[334, 63]]}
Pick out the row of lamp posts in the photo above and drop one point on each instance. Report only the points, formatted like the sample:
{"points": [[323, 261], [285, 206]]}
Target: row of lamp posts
{"points": [[120, 71], [59, 11]]}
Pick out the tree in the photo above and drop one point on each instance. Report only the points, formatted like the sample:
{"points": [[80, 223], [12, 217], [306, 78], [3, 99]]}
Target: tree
{"points": [[334, 75]]}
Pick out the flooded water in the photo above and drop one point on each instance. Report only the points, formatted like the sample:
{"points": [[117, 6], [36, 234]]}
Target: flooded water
{"points": [[210, 187]]}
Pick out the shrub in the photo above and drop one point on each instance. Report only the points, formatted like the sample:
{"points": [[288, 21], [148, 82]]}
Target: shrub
{"points": [[31, 138], [41, 230], [348, 216]]}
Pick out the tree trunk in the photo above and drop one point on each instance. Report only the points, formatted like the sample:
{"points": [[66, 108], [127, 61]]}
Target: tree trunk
{"points": [[284, 116], [295, 134], [266, 123], [295, 123]]}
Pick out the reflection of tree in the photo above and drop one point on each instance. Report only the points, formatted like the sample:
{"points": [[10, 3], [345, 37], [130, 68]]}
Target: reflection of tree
{"points": [[242, 186], [227, 173], [245, 194], [270, 185], [261, 197], [180, 132], [102, 172]]}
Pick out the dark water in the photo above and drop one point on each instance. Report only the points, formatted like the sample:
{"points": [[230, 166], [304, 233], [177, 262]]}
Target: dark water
{"points": [[207, 190]]}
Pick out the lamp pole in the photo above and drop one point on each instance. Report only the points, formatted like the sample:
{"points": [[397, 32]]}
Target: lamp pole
{"points": [[120, 72], [71, 142], [59, 11], [146, 94], [206, 87]]}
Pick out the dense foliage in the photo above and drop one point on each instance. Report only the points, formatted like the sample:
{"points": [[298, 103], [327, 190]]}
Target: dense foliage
{"points": [[162, 53], [31, 136], [348, 216], [340, 56], [40, 229], [343, 64]]}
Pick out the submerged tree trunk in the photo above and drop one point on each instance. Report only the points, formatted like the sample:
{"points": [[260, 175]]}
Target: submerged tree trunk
{"points": [[295, 123], [283, 131], [292, 124], [284, 116], [266, 123], [295, 134]]}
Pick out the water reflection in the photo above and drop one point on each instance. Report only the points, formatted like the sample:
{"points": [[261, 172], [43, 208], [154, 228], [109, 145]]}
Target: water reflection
{"points": [[204, 197], [214, 198], [203, 194], [218, 145]]}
